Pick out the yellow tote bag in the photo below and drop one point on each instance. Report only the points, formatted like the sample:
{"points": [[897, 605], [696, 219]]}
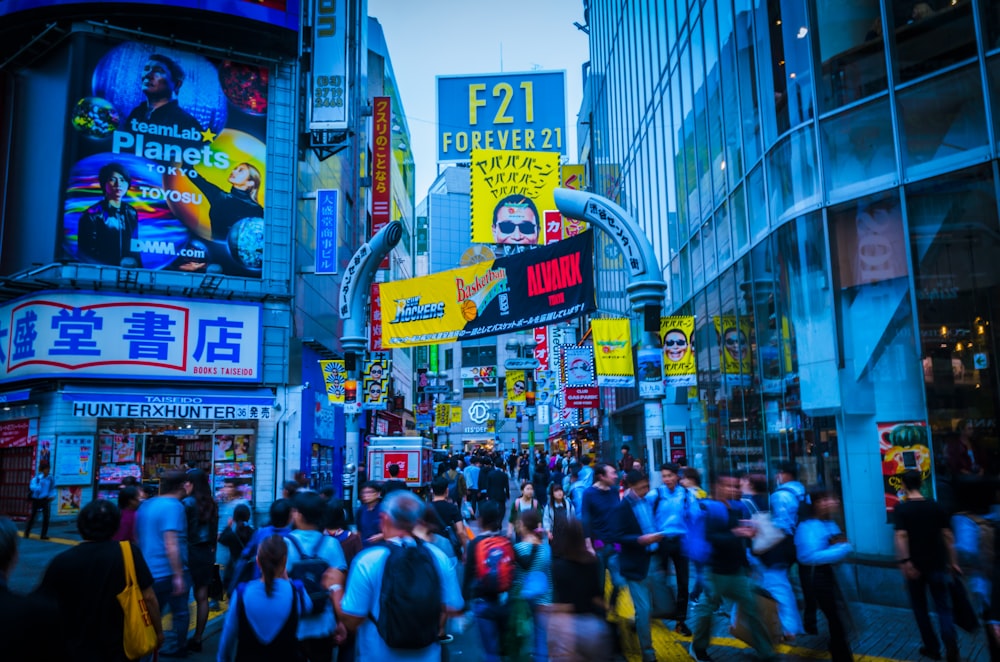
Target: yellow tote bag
{"points": [[140, 636]]}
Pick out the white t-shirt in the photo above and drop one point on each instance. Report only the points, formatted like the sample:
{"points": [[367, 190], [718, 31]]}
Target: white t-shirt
{"points": [[364, 588]]}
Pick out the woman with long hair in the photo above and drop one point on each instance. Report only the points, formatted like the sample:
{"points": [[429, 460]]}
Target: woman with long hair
{"points": [[577, 627], [228, 207], [264, 615], [128, 504], [532, 581], [522, 504], [557, 511], [203, 521]]}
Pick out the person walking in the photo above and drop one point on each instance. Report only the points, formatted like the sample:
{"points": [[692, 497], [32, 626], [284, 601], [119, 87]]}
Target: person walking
{"points": [[672, 508], [264, 615], [367, 515], [577, 627], [639, 562], [599, 503], [161, 527], [436, 597], [43, 490], [128, 505], [557, 511], [532, 580], [820, 545], [523, 504], [85, 581], [778, 561], [202, 521], [25, 620], [728, 532], [925, 549], [488, 578], [497, 485], [471, 471]]}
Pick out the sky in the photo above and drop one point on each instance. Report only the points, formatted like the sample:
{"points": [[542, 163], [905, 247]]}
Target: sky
{"points": [[430, 38]]}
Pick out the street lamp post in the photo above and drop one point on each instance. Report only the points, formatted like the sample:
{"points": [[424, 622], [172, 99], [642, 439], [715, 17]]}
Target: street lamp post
{"points": [[522, 357]]}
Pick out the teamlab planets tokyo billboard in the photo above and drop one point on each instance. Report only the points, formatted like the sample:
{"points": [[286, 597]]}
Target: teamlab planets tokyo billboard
{"points": [[168, 162]]}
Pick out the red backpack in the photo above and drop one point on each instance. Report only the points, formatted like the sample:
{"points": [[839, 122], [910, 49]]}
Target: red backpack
{"points": [[494, 565]]}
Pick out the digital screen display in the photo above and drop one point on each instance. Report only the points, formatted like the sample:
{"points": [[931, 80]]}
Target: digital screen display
{"points": [[283, 13]]}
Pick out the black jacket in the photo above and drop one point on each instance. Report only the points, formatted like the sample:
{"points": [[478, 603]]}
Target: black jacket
{"points": [[496, 486], [634, 558]]}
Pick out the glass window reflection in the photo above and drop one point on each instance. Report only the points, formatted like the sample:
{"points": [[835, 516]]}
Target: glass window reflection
{"points": [[858, 151], [931, 35], [851, 51], [792, 174], [785, 68]]}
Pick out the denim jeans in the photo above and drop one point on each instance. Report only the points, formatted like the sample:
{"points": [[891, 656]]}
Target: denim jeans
{"points": [[178, 606], [738, 589], [775, 581], [937, 582], [607, 557], [642, 599], [491, 619], [540, 636]]}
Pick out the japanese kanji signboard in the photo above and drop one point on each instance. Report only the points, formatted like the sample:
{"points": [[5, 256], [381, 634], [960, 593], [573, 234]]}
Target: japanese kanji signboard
{"points": [[107, 336]]}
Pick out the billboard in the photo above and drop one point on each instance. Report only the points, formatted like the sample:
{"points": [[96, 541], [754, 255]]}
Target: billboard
{"points": [[613, 352], [167, 162], [105, 336], [328, 80], [282, 13], [676, 335], [509, 193], [734, 348], [508, 111], [521, 291]]}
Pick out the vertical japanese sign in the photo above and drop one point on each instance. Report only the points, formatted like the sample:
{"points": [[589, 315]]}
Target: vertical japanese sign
{"points": [[573, 177], [381, 167], [107, 336], [613, 352], [328, 104], [334, 377], [375, 325], [542, 347], [166, 162], [553, 226], [904, 447], [509, 192], [442, 416], [678, 354], [326, 231]]}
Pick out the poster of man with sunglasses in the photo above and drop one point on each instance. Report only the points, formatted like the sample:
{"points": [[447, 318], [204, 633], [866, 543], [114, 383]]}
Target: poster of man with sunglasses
{"points": [[515, 221], [509, 193], [678, 357]]}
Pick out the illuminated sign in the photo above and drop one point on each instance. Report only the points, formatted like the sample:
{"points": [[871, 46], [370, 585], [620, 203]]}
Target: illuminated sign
{"points": [[522, 111], [328, 82], [282, 13]]}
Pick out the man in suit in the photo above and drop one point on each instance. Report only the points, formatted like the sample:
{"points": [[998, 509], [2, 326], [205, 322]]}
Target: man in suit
{"points": [[639, 563], [496, 485]]}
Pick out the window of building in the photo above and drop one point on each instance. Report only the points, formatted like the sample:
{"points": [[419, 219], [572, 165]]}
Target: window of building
{"points": [[723, 235], [954, 241], [931, 35], [730, 105], [785, 67], [738, 215], [851, 51], [708, 248], [858, 151], [746, 64], [943, 121], [993, 75], [757, 203], [449, 359], [697, 264], [792, 174]]}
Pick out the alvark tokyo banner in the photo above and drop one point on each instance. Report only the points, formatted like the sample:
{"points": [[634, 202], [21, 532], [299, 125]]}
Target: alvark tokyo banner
{"points": [[678, 355], [541, 286], [510, 192], [167, 162], [613, 352]]}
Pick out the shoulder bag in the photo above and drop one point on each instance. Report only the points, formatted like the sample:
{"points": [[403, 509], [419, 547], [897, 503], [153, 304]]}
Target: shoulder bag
{"points": [[139, 634]]}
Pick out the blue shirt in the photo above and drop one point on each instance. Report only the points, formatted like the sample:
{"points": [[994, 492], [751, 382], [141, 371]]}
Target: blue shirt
{"points": [[320, 625], [364, 589], [266, 615], [42, 487], [155, 517], [368, 523], [596, 514], [785, 505], [812, 543], [471, 477], [672, 509]]}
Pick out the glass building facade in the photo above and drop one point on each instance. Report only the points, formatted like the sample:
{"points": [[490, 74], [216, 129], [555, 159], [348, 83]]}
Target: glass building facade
{"points": [[819, 180]]}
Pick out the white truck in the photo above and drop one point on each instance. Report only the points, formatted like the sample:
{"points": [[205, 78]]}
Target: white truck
{"points": [[413, 455]]}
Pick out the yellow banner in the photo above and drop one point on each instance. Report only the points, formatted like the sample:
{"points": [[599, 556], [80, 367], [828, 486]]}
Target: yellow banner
{"points": [[509, 192], [574, 176], [613, 352], [442, 415], [678, 354], [456, 415], [334, 376], [516, 386], [734, 344]]}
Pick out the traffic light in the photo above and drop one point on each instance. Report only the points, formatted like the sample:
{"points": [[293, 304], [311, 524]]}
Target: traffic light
{"points": [[529, 398]]}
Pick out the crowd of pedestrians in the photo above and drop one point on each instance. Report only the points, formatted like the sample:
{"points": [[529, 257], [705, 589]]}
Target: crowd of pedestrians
{"points": [[538, 571]]}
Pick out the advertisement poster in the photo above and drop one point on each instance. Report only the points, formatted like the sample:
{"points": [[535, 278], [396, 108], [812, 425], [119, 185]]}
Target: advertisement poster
{"points": [[578, 365], [574, 177], [516, 386], [167, 161], [522, 291], [375, 384], [903, 446], [734, 343], [476, 376], [678, 353], [74, 460], [282, 13], [510, 192], [650, 372], [68, 500], [123, 448], [334, 376], [613, 352], [22, 432]]}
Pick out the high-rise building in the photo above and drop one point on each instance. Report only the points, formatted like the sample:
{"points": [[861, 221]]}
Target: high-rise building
{"points": [[819, 181]]}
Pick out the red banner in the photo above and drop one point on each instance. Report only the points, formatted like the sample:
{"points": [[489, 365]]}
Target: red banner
{"points": [[381, 166], [375, 336], [14, 433], [582, 397], [542, 347], [553, 226]]}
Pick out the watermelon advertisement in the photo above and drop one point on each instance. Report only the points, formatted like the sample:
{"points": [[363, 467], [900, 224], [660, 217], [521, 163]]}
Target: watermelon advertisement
{"points": [[903, 446]]}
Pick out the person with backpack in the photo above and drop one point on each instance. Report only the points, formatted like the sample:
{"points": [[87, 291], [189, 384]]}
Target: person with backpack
{"points": [[318, 562], [471, 472], [263, 618], [488, 577], [235, 537], [722, 533], [400, 592], [557, 511], [246, 567], [446, 518], [785, 502], [673, 508], [532, 586], [457, 488]]}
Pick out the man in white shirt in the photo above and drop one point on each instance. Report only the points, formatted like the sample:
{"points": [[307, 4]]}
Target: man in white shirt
{"points": [[43, 489]]}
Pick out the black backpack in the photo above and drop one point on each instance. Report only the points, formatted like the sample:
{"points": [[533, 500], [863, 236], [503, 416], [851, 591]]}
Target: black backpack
{"points": [[409, 607], [309, 570]]}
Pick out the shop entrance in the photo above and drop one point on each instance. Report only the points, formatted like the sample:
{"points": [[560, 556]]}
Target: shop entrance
{"points": [[16, 467]]}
